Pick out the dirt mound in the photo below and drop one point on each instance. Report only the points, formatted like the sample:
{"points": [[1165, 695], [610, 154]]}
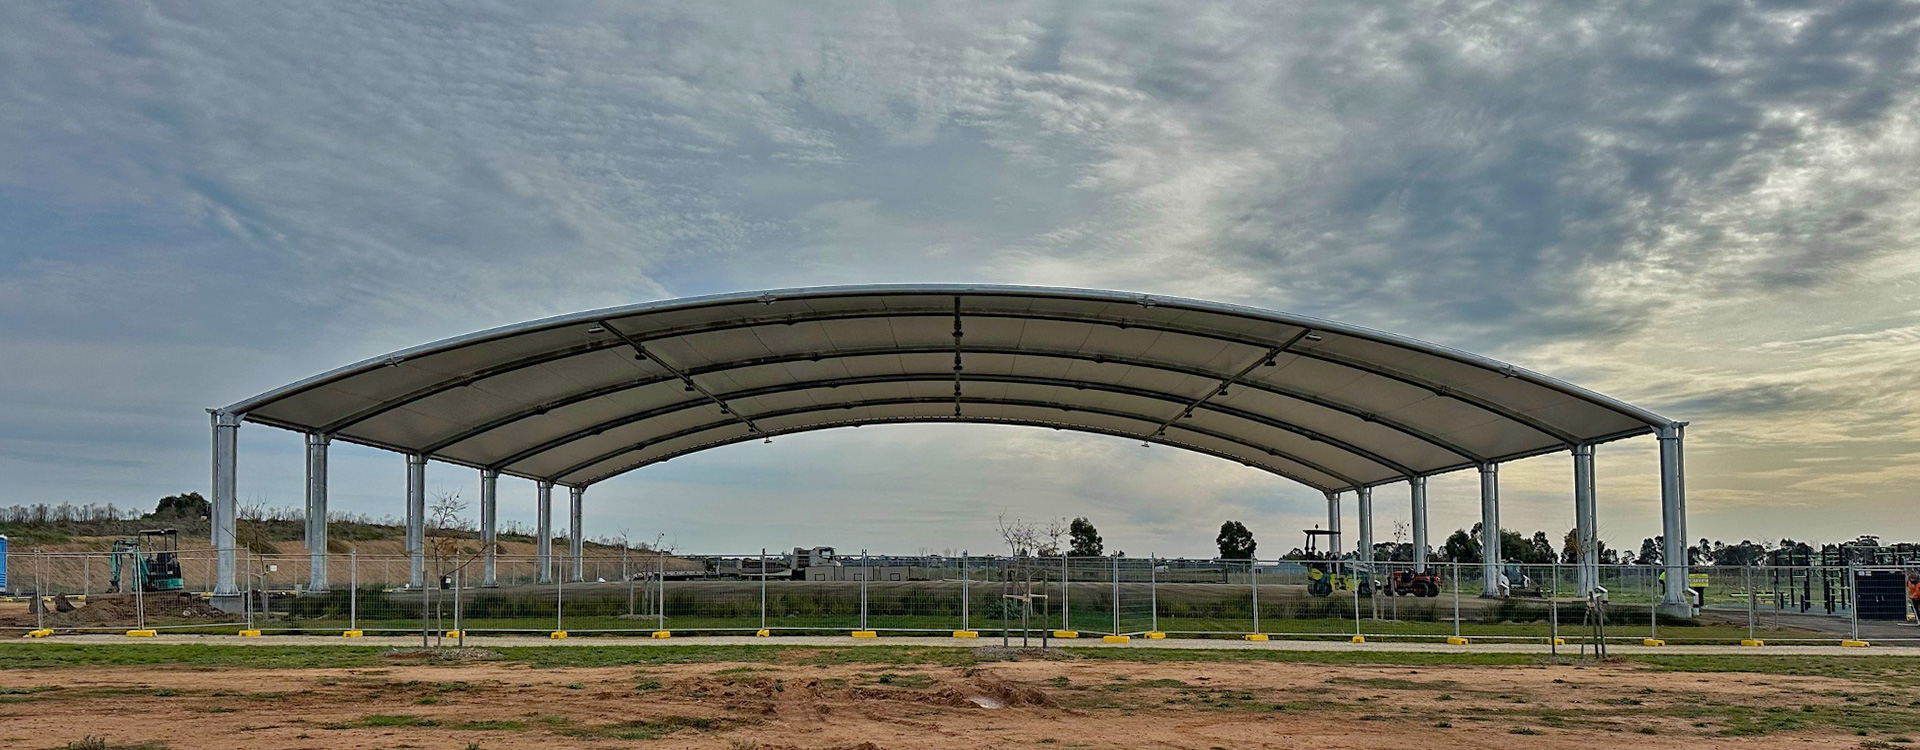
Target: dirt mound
{"points": [[991, 692], [103, 610], [440, 655], [1006, 653]]}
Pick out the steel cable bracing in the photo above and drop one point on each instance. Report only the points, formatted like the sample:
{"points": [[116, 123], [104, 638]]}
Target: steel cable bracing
{"points": [[641, 353], [1221, 390], [957, 367]]}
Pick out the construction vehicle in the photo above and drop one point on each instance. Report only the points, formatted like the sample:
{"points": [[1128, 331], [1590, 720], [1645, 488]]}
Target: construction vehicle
{"points": [[1323, 576], [1410, 583], [156, 557], [1518, 583]]}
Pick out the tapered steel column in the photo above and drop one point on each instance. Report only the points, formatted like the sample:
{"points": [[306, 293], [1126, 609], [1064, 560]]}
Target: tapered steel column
{"points": [[576, 541], [1673, 513], [1418, 488], [226, 456], [1365, 497], [417, 519], [543, 543], [1585, 529], [1490, 529], [317, 511], [1333, 524], [489, 525]]}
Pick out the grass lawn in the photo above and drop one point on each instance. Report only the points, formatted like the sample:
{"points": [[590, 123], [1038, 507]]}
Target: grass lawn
{"points": [[57, 655]]}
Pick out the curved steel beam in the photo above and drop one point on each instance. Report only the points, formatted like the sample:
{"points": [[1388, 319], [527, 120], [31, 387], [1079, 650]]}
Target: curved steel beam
{"points": [[722, 367], [710, 426], [641, 416]]}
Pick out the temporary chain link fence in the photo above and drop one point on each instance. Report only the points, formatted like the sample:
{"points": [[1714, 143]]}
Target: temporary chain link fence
{"points": [[640, 592]]}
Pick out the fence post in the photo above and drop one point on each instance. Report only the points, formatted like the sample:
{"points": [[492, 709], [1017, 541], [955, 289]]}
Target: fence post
{"points": [[660, 595], [1253, 582], [865, 572], [1750, 601], [1553, 611], [40, 590], [353, 590], [459, 576], [763, 588], [1116, 594], [559, 599], [1653, 607], [248, 568], [140, 594], [1853, 595], [1153, 591], [966, 586], [1354, 586], [1456, 597], [1066, 579]]}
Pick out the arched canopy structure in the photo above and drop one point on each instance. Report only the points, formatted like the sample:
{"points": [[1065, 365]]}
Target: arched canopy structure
{"points": [[580, 398], [577, 399]]}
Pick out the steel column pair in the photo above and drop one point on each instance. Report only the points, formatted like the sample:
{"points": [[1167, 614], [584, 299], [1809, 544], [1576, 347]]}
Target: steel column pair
{"points": [[1673, 514], [1490, 557], [543, 539], [1365, 497], [576, 541], [1333, 524], [417, 520], [1417, 488], [489, 525], [226, 449], [317, 511], [1585, 520]]}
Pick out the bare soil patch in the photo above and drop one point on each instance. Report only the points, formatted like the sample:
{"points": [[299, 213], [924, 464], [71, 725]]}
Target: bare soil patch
{"points": [[1034, 703]]}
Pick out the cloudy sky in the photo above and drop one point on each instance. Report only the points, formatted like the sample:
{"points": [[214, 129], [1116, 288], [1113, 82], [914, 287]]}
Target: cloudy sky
{"points": [[1708, 209]]}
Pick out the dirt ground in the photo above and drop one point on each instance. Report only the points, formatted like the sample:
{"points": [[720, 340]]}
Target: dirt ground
{"points": [[1033, 702]]}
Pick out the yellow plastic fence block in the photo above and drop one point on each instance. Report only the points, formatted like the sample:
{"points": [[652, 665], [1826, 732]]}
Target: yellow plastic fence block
{"points": [[142, 633], [662, 634], [1850, 643], [1359, 639], [1454, 640], [966, 634], [1156, 635], [1115, 638], [454, 634], [352, 634], [1255, 636], [558, 635], [1066, 634], [1752, 642], [41, 633], [865, 634], [763, 633], [249, 634], [1652, 642], [1559, 641]]}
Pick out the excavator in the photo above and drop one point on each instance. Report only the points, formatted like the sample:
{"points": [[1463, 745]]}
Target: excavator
{"points": [[156, 557]]}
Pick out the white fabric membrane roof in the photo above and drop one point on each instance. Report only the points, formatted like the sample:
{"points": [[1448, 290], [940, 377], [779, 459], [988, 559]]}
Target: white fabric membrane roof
{"points": [[580, 398]]}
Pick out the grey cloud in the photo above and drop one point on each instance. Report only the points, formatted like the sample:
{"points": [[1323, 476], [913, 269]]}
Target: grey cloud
{"points": [[204, 201]]}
